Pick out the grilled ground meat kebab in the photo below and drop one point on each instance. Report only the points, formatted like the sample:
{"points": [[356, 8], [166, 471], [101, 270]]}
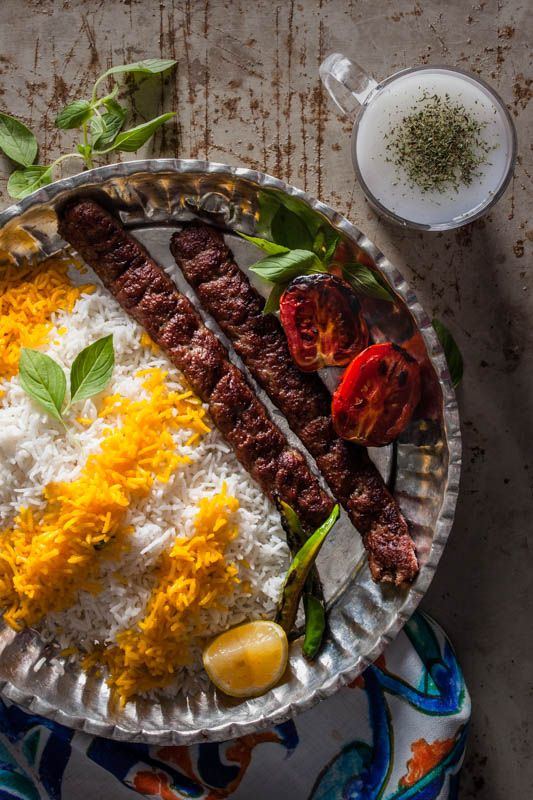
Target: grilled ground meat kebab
{"points": [[146, 292], [225, 292]]}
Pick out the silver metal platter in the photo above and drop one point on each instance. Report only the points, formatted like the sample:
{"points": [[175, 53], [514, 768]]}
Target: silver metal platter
{"points": [[152, 198]]}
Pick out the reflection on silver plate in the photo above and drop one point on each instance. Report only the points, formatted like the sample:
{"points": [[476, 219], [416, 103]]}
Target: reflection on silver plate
{"points": [[152, 198]]}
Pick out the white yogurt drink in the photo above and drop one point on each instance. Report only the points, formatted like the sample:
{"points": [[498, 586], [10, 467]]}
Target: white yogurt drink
{"points": [[387, 183]]}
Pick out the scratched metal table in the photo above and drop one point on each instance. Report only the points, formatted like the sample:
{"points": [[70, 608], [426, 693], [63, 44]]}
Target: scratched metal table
{"points": [[247, 92]]}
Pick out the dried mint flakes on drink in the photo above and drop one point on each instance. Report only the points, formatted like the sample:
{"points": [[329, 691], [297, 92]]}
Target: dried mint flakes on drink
{"points": [[439, 145]]}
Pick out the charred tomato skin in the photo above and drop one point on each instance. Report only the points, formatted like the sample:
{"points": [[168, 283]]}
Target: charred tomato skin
{"points": [[377, 395], [322, 320]]}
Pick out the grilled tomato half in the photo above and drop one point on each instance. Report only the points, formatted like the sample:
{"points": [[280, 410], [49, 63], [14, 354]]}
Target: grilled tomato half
{"points": [[377, 395], [322, 320]]}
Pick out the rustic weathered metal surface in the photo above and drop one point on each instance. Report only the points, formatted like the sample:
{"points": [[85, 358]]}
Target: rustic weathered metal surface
{"points": [[247, 92], [152, 197]]}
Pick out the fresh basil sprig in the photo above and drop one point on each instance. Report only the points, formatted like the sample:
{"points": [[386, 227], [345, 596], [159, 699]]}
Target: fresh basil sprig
{"points": [[105, 127], [101, 120], [44, 381], [287, 221], [299, 241], [452, 353]]}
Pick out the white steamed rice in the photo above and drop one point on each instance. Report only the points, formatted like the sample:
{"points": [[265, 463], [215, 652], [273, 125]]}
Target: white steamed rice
{"points": [[34, 451]]}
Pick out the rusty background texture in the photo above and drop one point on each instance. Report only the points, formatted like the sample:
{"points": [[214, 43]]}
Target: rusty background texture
{"points": [[246, 90]]}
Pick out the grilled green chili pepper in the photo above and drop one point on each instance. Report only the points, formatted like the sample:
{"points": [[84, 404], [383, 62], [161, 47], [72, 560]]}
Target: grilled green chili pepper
{"points": [[296, 535], [299, 570], [315, 625], [313, 596]]}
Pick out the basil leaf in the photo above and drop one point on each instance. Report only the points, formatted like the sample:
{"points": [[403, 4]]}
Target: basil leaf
{"points": [[282, 267], [331, 247], [288, 229], [17, 141], [269, 247], [149, 66], [25, 181], [104, 128], [113, 105], [272, 304], [74, 115], [130, 141], [289, 221], [268, 206], [363, 279], [43, 380], [451, 351], [319, 244], [270, 203], [92, 369]]}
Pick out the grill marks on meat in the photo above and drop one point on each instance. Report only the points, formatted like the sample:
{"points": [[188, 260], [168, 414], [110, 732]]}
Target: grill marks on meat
{"points": [[146, 292], [226, 293]]}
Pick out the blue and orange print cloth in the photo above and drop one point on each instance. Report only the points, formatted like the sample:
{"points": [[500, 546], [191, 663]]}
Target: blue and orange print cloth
{"points": [[397, 733]]}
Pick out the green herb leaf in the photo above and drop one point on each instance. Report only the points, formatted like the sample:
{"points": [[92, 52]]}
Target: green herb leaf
{"points": [[268, 247], [74, 115], [365, 280], [129, 141], [25, 181], [270, 201], [272, 304], [17, 141], [43, 380], [149, 66], [283, 267], [451, 351], [92, 369], [290, 230], [104, 128], [331, 247], [319, 244]]}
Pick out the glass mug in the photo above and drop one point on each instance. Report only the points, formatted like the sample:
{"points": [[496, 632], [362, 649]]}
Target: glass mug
{"points": [[377, 107]]}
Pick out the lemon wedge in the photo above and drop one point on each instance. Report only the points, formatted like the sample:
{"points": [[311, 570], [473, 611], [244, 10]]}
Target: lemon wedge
{"points": [[248, 660]]}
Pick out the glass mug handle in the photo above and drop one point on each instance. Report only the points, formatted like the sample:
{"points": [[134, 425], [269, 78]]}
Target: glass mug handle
{"points": [[347, 83]]}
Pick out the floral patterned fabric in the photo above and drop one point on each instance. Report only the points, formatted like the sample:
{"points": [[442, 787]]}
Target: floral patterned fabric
{"points": [[397, 733]]}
